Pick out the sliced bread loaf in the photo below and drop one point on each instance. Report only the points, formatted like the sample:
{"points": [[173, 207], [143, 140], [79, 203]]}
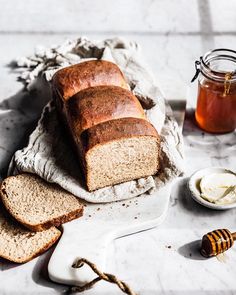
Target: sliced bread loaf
{"points": [[19, 244], [119, 150], [36, 204]]}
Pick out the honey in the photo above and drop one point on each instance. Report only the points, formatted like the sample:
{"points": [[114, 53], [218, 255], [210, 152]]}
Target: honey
{"points": [[216, 108], [216, 103]]}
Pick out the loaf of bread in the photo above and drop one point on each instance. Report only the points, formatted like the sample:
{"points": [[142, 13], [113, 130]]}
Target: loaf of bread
{"points": [[113, 138]]}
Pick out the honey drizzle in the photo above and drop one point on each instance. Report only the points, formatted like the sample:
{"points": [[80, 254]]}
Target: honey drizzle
{"points": [[222, 257], [227, 83]]}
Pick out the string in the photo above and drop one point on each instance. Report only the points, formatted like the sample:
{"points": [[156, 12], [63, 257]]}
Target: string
{"points": [[101, 276]]}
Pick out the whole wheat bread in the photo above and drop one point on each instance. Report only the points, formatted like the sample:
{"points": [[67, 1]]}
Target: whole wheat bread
{"points": [[19, 244], [127, 147], [36, 204], [93, 101]]}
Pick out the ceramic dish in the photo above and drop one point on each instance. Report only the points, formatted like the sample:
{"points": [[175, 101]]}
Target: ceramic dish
{"points": [[194, 187]]}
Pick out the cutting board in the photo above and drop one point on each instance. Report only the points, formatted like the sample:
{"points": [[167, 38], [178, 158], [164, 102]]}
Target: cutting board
{"points": [[90, 236]]}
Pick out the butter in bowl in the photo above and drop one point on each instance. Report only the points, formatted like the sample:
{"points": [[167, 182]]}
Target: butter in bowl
{"points": [[214, 188]]}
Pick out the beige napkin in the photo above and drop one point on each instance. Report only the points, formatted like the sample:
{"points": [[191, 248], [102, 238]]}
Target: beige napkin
{"points": [[48, 152]]}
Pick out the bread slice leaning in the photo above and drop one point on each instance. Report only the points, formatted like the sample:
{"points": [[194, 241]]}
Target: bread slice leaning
{"points": [[36, 204], [19, 244]]}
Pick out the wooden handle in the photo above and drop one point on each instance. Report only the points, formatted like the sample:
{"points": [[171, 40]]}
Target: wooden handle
{"points": [[234, 236]]}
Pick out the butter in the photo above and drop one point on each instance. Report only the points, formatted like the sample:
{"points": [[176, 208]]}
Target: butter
{"points": [[219, 188], [229, 197]]}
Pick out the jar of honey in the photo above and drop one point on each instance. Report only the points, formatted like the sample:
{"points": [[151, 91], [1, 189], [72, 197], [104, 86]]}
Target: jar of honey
{"points": [[216, 102]]}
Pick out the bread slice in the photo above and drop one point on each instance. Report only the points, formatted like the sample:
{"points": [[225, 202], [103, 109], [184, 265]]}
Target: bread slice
{"points": [[19, 244], [120, 150], [36, 204]]}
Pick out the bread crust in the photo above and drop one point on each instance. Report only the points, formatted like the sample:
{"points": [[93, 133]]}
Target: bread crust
{"points": [[70, 80], [116, 129], [99, 104]]}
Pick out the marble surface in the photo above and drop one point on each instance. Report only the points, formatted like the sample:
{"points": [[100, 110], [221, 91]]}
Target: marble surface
{"points": [[112, 221], [172, 34]]}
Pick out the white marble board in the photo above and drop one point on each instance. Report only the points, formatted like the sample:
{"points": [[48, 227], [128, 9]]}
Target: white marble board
{"points": [[89, 236]]}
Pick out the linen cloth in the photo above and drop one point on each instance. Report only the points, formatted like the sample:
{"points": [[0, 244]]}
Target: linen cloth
{"points": [[49, 154]]}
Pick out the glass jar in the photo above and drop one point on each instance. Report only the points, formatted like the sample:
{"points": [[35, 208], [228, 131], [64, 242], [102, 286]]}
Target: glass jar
{"points": [[216, 102]]}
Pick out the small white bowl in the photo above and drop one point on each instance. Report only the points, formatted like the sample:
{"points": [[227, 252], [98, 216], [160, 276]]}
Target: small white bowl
{"points": [[194, 187]]}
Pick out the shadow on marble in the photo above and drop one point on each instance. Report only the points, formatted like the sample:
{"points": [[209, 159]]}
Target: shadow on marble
{"points": [[40, 273], [18, 117], [191, 250], [187, 203], [190, 124], [6, 265]]}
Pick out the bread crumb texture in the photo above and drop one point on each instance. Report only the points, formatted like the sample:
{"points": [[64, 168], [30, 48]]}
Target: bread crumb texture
{"points": [[38, 204], [19, 244]]}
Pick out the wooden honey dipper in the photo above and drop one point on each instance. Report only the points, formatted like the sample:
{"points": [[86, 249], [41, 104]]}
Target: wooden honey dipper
{"points": [[217, 242]]}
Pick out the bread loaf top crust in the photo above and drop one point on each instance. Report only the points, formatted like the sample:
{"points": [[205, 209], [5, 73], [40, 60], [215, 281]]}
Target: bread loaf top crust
{"points": [[99, 104], [115, 130], [70, 80]]}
